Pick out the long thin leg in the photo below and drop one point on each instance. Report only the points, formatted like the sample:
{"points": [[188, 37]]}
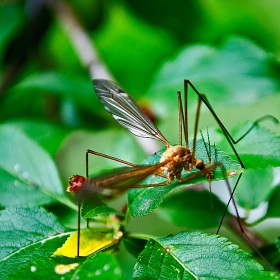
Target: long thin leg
{"points": [[232, 142], [87, 176], [196, 119], [109, 157], [230, 199], [240, 223], [228, 136], [186, 122], [196, 126], [225, 131], [204, 171], [79, 228], [180, 117], [112, 158]]}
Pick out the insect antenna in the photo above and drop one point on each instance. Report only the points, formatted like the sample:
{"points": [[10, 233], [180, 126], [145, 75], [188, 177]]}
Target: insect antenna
{"points": [[207, 149]]}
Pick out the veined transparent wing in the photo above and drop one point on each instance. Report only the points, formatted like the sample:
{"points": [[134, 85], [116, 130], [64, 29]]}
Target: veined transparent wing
{"points": [[112, 182], [125, 110], [121, 179]]}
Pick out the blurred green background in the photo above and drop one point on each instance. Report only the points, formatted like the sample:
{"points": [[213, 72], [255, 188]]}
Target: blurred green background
{"points": [[229, 50]]}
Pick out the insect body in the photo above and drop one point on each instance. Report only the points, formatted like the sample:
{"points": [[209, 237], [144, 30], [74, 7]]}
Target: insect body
{"points": [[173, 160], [126, 111]]}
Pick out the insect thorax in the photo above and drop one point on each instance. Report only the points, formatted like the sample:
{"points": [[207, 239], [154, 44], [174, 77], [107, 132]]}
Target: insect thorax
{"points": [[177, 158]]}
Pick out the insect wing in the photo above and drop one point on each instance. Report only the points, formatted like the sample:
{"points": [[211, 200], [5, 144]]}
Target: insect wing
{"points": [[120, 179], [125, 110]]}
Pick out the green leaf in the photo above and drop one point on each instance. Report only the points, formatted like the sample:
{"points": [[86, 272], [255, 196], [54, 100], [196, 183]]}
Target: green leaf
{"points": [[249, 72], [61, 84], [271, 254], [134, 245], [143, 201], [73, 89], [99, 266], [28, 163], [259, 152], [29, 236], [10, 17], [93, 207], [273, 210], [183, 209], [278, 243], [254, 188], [14, 192], [259, 149], [196, 255], [131, 42], [47, 135]]}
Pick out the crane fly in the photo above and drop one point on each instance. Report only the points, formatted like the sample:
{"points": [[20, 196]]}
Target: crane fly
{"points": [[128, 114], [113, 183], [179, 157], [176, 158], [172, 162], [126, 111]]}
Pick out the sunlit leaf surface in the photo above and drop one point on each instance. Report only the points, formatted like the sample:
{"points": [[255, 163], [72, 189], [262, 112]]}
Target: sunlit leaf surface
{"points": [[29, 236], [30, 165], [196, 255]]}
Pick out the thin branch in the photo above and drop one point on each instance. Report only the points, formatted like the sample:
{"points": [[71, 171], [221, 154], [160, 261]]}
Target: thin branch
{"points": [[80, 40], [87, 53]]}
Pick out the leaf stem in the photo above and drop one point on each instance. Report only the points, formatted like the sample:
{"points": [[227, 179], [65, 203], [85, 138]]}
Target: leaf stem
{"points": [[139, 236]]}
